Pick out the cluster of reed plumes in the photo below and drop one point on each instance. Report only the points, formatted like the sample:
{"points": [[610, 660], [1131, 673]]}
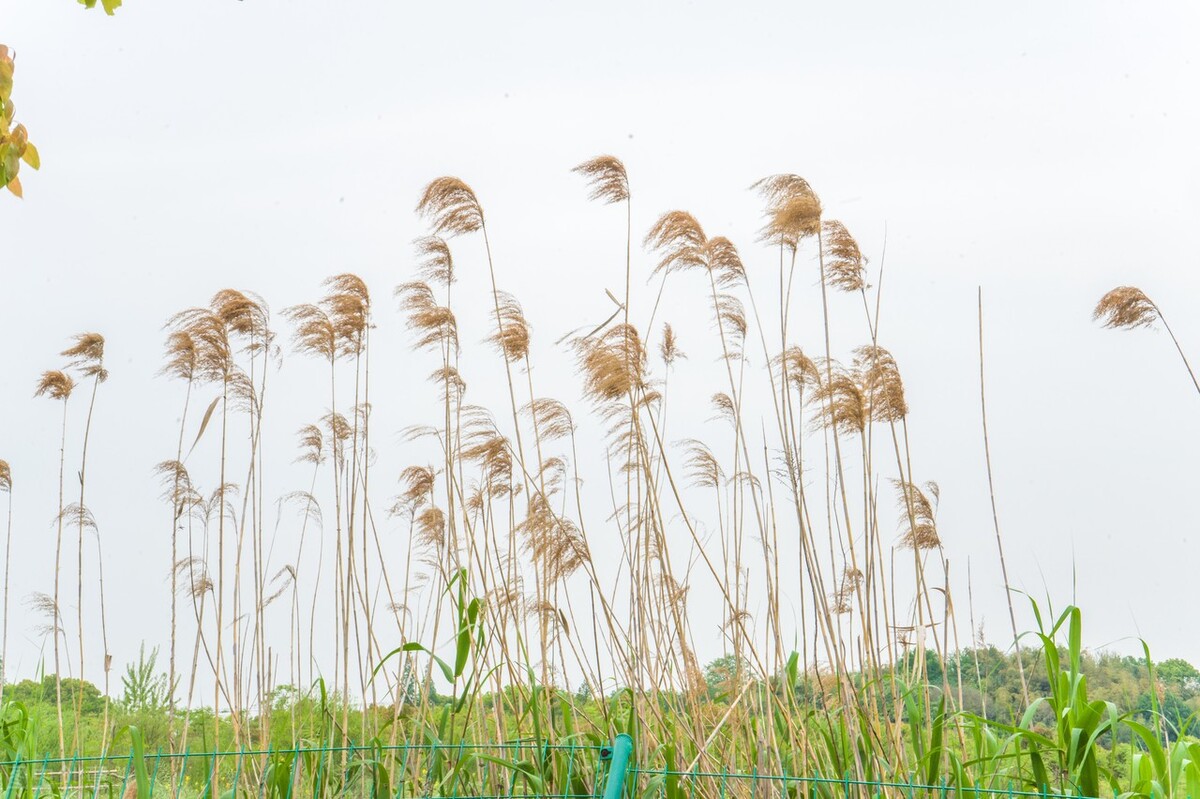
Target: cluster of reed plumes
{"points": [[801, 519]]}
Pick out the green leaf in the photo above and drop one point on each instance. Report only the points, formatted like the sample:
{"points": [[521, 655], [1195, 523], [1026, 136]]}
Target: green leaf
{"points": [[31, 157]]}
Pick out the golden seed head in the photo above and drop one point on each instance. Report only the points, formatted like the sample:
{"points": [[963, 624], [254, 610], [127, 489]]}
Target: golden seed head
{"points": [[451, 207], [55, 384], [606, 178], [1125, 307]]}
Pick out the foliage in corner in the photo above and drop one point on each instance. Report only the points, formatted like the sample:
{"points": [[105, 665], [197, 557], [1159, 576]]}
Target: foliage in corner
{"points": [[15, 146], [110, 6]]}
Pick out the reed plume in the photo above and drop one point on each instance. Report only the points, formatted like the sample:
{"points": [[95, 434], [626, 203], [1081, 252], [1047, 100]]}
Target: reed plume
{"points": [[431, 529], [313, 331], [417, 486], [58, 385], [451, 207], [701, 466], [552, 418], [680, 242], [847, 410], [793, 210], [436, 264], [919, 515], [613, 363], [609, 183], [512, 335], [879, 379], [55, 385], [797, 368], [45, 606], [606, 178], [553, 543], [845, 266], [85, 356], [668, 347], [1128, 307], [1125, 307], [183, 358]]}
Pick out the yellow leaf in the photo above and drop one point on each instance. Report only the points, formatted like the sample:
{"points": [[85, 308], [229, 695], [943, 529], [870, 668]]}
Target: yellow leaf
{"points": [[14, 186], [31, 157]]}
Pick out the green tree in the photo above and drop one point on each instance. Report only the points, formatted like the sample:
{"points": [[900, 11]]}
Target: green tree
{"points": [[725, 676], [145, 688], [1180, 676]]}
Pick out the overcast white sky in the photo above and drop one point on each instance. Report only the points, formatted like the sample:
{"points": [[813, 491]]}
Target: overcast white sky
{"points": [[1044, 151]]}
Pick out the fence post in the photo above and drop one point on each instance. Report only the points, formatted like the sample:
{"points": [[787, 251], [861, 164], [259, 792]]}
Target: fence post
{"points": [[619, 754]]}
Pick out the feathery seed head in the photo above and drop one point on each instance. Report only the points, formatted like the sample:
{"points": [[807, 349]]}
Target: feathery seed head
{"points": [[606, 178], [44, 605], [451, 207], [181, 355], [845, 266], [613, 363], [178, 489], [312, 445], [417, 485], [512, 336], [243, 314], [793, 209], [195, 581], [340, 430], [879, 380], [917, 517], [842, 405], [552, 473], [723, 404], [314, 332], [1126, 307], [797, 368], [842, 599], [668, 348], [87, 355], [731, 316], [5, 477], [434, 324], [55, 384], [242, 394], [551, 418], [701, 465], [348, 305], [209, 341], [76, 515], [437, 265], [451, 382], [723, 260], [553, 542], [680, 242], [482, 443], [431, 529]]}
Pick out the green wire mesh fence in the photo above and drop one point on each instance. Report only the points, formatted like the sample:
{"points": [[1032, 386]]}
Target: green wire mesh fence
{"points": [[496, 771], [666, 783], [462, 771]]}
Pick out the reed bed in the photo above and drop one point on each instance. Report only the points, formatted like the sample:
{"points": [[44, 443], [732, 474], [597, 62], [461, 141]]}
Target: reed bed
{"points": [[519, 607]]}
